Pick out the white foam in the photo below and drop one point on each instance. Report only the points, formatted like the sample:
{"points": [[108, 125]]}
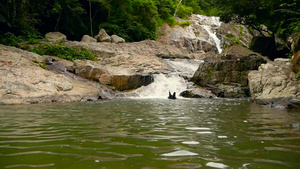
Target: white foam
{"points": [[216, 165], [179, 153], [204, 132], [222, 137], [190, 142], [197, 128]]}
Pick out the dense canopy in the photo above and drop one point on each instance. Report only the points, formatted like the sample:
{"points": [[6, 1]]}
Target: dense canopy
{"points": [[137, 20]]}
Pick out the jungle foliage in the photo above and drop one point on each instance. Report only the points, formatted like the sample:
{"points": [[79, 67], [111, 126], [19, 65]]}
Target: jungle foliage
{"points": [[136, 20]]}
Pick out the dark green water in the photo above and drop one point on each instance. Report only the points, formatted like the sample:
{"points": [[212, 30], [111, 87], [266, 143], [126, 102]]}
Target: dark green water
{"points": [[149, 134]]}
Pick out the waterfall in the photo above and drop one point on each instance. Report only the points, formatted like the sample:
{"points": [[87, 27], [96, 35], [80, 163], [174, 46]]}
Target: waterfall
{"points": [[176, 81], [210, 24], [182, 70], [214, 37]]}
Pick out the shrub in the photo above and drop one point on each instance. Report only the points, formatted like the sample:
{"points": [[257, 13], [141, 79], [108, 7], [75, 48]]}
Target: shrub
{"points": [[65, 52], [186, 23]]}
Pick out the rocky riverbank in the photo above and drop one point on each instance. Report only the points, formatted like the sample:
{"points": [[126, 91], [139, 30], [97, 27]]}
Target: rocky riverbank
{"points": [[23, 81], [123, 67]]}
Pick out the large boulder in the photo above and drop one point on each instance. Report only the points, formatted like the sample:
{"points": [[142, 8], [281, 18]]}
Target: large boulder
{"points": [[55, 36], [129, 82], [103, 36], [87, 38], [118, 77], [91, 71], [117, 39], [227, 76], [275, 84], [296, 54]]}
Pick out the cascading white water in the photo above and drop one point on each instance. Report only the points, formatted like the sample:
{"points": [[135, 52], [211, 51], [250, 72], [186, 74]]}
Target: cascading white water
{"points": [[214, 37], [182, 69], [210, 24], [173, 82]]}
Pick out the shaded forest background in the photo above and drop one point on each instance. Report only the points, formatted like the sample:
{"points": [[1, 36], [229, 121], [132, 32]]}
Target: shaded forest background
{"points": [[136, 20]]}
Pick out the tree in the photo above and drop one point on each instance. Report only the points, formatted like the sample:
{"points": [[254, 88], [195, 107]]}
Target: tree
{"points": [[280, 16]]}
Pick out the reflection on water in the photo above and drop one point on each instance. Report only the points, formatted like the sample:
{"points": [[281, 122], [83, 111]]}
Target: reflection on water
{"points": [[149, 133]]}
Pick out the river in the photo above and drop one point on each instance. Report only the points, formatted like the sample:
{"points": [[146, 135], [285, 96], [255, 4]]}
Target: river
{"points": [[149, 134]]}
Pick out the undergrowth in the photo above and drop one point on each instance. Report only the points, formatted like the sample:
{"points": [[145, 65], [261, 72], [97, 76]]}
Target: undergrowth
{"points": [[65, 52]]}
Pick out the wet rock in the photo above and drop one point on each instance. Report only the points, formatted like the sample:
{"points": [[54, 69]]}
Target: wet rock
{"points": [[197, 92], [55, 36], [87, 38], [275, 84], [128, 82], [227, 76]]}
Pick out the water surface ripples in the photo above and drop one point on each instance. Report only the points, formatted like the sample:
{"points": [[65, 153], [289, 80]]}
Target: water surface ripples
{"points": [[149, 133]]}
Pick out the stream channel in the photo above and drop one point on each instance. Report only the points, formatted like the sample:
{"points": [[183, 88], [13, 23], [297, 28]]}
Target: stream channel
{"points": [[149, 131], [149, 134]]}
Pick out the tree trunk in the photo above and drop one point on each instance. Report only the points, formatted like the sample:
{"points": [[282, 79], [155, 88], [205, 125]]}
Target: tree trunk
{"points": [[177, 8], [91, 19]]}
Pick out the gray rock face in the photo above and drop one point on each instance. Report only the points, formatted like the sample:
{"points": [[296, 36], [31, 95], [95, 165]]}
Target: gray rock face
{"points": [[24, 82], [103, 36], [227, 76], [275, 84], [195, 38], [117, 39], [87, 38], [55, 36], [233, 33]]}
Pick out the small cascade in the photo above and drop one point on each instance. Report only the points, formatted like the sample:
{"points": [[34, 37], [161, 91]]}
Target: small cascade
{"points": [[176, 81], [210, 24]]}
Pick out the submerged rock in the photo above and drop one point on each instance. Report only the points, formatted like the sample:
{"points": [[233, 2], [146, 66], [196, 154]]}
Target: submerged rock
{"points": [[275, 84]]}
